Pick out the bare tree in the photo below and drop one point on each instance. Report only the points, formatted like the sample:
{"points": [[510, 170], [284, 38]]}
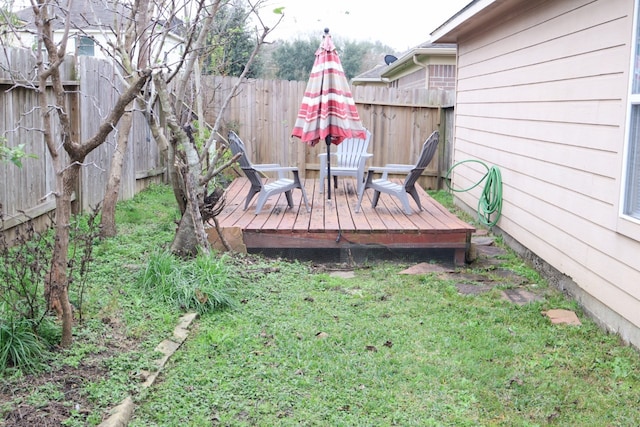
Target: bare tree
{"points": [[126, 38], [191, 173], [190, 169], [150, 83], [50, 57]]}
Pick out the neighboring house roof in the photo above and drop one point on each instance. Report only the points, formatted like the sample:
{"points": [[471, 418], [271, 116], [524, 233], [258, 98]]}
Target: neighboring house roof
{"points": [[409, 61], [89, 13], [93, 15], [100, 22], [373, 76], [416, 56]]}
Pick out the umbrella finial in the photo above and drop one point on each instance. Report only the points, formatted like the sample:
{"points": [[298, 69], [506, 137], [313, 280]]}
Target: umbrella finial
{"points": [[326, 31]]}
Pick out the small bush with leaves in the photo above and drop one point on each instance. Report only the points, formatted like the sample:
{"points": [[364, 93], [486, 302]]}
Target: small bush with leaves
{"points": [[23, 268], [25, 326]]}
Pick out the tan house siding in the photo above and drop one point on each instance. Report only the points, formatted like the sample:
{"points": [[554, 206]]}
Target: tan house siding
{"points": [[541, 93]]}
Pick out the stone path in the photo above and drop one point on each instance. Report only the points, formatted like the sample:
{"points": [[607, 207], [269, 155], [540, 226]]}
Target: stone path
{"points": [[121, 414]]}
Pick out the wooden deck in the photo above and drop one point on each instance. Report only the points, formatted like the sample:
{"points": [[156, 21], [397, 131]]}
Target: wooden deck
{"points": [[334, 224]]}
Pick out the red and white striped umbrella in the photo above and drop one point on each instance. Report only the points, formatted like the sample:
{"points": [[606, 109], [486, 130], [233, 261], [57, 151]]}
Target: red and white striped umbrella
{"points": [[328, 112]]}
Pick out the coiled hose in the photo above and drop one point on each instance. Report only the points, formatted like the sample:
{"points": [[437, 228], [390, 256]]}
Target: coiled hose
{"points": [[490, 202]]}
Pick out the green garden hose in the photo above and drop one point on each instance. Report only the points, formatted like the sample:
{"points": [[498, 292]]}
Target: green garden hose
{"points": [[490, 202]]}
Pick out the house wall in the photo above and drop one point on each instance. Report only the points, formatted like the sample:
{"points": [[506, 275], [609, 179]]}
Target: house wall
{"points": [[541, 94], [416, 80], [442, 77]]}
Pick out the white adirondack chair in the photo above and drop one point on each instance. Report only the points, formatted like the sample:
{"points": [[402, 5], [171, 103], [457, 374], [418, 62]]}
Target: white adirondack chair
{"points": [[383, 185], [350, 158], [252, 172]]}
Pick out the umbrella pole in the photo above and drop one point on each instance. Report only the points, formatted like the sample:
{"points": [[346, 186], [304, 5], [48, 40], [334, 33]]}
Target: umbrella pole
{"points": [[328, 141]]}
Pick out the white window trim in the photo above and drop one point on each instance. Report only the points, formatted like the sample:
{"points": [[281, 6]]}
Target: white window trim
{"points": [[627, 224]]}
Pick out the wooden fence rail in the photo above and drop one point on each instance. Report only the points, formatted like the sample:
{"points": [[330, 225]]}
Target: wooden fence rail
{"points": [[262, 112]]}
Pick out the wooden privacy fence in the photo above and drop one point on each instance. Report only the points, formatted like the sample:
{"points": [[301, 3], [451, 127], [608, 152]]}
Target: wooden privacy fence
{"points": [[92, 86], [264, 111]]}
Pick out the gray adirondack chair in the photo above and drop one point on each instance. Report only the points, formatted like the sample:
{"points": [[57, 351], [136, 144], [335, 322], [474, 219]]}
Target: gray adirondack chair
{"points": [[383, 185], [264, 191], [350, 158]]}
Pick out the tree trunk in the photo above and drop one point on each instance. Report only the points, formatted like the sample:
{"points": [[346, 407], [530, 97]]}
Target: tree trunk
{"points": [[191, 221], [108, 219], [57, 289], [191, 168], [185, 243]]}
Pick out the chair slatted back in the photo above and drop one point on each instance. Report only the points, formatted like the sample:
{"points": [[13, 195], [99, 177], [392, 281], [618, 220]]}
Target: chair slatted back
{"points": [[349, 151], [237, 146], [426, 154]]}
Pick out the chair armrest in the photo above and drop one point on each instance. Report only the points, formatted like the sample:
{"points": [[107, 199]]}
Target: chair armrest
{"points": [[362, 160], [281, 170], [324, 155], [391, 168], [399, 167], [267, 166]]}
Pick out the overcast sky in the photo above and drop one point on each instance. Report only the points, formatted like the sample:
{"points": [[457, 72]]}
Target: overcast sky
{"points": [[401, 24]]}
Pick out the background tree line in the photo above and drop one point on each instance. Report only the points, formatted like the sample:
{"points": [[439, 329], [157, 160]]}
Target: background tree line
{"points": [[233, 40]]}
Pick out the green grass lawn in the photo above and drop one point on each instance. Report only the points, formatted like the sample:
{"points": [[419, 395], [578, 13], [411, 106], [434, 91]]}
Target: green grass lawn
{"points": [[302, 346], [306, 348]]}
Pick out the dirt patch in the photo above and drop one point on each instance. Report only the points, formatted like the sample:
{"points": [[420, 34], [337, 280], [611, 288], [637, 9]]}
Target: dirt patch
{"points": [[63, 385], [51, 398]]}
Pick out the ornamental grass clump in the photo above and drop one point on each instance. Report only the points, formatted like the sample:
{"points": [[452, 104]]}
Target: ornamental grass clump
{"points": [[20, 347], [202, 285]]}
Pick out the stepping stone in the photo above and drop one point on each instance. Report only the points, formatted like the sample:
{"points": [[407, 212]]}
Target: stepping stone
{"points": [[469, 289], [509, 275], [560, 316], [426, 268], [491, 251], [520, 296], [482, 240], [470, 277]]}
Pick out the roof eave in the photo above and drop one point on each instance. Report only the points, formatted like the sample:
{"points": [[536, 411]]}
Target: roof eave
{"points": [[364, 81], [407, 60], [450, 30]]}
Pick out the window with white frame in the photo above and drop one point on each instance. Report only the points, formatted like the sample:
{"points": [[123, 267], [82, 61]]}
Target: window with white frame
{"points": [[631, 202]]}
